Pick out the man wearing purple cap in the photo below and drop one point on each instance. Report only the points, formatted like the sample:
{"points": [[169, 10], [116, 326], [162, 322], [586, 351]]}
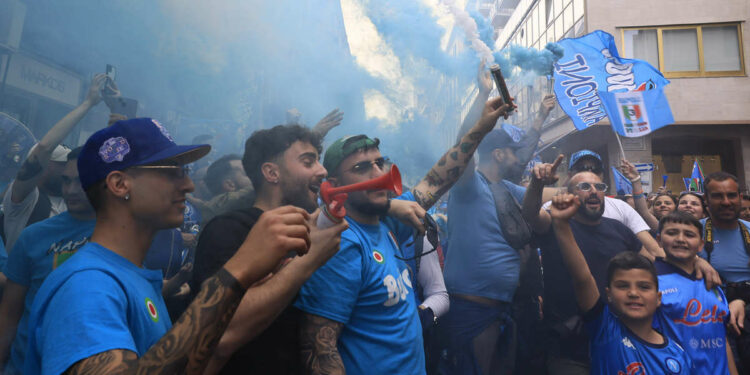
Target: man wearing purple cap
{"points": [[100, 312]]}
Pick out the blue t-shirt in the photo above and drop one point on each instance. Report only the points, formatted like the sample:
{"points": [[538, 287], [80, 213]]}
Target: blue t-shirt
{"points": [[95, 302], [479, 262], [729, 257], [165, 253], [41, 248], [617, 350], [3, 255], [365, 287], [694, 316]]}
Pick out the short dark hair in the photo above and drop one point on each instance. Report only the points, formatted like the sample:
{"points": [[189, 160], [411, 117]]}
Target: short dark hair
{"points": [[268, 144], [73, 154], [681, 217], [628, 260], [674, 200], [95, 194], [218, 171], [718, 176]]}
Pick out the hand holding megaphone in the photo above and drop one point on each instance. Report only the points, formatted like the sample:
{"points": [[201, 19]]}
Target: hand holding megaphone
{"points": [[334, 197]]}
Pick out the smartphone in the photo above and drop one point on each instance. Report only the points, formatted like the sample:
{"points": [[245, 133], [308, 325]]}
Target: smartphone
{"points": [[124, 106], [111, 72]]}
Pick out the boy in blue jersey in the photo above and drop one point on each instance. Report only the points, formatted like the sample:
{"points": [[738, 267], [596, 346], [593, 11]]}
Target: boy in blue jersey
{"points": [[622, 337], [360, 317], [696, 317]]}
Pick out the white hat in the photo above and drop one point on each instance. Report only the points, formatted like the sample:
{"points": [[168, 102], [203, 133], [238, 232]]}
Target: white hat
{"points": [[60, 153]]}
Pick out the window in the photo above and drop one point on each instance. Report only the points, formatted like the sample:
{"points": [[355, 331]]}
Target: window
{"points": [[713, 50]]}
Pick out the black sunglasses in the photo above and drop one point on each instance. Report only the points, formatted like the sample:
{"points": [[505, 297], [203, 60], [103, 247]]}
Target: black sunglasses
{"points": [[365, 166], [431, 232]]}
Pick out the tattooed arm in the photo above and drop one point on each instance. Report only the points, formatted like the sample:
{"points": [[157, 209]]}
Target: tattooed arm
{"points": [[449, 168], [32, 168], [318, 339]]}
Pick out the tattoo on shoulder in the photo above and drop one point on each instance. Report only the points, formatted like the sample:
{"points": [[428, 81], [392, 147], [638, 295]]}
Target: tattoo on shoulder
{"points": [[29, 169], [318, 339]]}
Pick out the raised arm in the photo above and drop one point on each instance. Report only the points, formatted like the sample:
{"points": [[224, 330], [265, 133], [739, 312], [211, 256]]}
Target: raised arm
{"points": [[32, 168], [449, 168], [330, 121], [629, 171], [563, 208], [531, 209], [530, 140], [187, 347], [318, 344]]}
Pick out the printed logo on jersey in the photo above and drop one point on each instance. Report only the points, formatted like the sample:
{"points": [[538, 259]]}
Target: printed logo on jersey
{"points": [[707, 343], [378, 256], [398, 288], [635, 368], [152, 312], [627, 343], [673, 365], [669, 291], [695, 314], [65, 249], [718, 295]]}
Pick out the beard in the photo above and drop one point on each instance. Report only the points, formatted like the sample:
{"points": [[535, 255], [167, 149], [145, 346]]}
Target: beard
{"points": [[298, 195], [514, 172], [369, 208], [591, 215]]}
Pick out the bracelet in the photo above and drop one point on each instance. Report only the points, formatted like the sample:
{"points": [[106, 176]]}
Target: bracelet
{"points": [[226, 279], [636, 196], [636, 179], [638, 193]]}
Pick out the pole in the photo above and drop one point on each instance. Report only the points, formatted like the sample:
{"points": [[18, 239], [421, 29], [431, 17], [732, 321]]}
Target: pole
{"points": [[622, 150]]}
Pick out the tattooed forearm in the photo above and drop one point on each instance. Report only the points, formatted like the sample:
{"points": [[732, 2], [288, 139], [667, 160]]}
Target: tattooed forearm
{"points": [[188, 346], [29, 169], [318, 339]]}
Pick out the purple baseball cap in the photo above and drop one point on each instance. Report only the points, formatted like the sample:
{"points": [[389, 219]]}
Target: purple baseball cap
{"points": [[128, 143]]}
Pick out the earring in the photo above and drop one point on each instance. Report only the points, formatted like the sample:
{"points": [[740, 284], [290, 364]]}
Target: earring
{"points": [[127, 196]]}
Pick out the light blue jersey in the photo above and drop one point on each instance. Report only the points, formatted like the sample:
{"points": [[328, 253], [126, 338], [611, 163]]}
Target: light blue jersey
{"points": [[617, 350], [365, 287], [41, 248], [729, 257], [695, 317], [97, 301]]}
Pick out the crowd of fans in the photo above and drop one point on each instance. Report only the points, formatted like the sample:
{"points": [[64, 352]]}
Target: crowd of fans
{"points": [[130, 254]]}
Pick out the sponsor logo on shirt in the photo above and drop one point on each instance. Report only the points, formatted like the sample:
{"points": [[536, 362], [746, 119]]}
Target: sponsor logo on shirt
{"points": [[152, 312], [669, 291], [398, 288], [707, 343], [65, 249], [695, 314], [635, 368], [627, 343], [673, 365]]}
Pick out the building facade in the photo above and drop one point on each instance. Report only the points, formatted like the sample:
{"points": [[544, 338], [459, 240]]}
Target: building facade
{"points": [[701, 49]]}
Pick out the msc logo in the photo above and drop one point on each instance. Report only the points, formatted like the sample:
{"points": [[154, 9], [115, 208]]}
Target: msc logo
{"points": [[707, 343]]}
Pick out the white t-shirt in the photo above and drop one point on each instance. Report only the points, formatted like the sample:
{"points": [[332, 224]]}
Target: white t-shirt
{"points": [[17, 214], [622, 212]]}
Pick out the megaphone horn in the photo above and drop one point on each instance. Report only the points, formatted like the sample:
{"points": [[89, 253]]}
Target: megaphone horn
{"points": [[389, 181]]}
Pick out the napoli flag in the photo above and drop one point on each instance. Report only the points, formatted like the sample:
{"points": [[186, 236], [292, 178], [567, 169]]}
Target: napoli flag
{"points": [[637, 113], [623, 186], [591, 65]]}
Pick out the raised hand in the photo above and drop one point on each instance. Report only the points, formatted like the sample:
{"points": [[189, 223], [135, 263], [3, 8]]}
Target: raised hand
{"points": [[493, 109], [94, 96], [409, 213], [548, 103], [484, 78], [324, 243], [564, 206], [278, 232], [628, 170], [547, 173], [330, 121]]}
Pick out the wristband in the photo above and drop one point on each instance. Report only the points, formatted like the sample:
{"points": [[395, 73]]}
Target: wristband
{"points": [[226, 279], [636, 196], [636, 179], [638, 193]]}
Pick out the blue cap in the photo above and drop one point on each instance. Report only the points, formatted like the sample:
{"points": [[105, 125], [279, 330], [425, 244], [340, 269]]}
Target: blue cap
{"points": [[128, 143], [581, 154], [497, 138]]}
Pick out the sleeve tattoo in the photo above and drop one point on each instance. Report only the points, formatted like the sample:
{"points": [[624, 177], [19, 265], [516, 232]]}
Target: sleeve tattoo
{"points": [[318, 339], [187, 347]]}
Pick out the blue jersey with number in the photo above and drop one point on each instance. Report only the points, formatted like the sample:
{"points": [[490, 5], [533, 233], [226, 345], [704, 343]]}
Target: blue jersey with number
{"points": [[696, 317], [365, 287], [617, 350], [95, 302]]}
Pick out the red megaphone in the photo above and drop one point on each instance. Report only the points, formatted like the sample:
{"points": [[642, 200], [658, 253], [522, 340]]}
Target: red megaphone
{"points": [[334, 197]]}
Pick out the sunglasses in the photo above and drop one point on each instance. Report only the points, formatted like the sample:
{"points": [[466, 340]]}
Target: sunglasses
{"points": [[176, 172], [587, 186], [431, 232], [365, 166], [684, 193]]}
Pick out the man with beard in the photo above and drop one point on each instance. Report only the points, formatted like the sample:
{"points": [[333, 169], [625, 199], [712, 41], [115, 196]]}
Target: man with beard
{"points": [[599, 239], [41, 248], [360, 314], [282, 163], [727, 248]]}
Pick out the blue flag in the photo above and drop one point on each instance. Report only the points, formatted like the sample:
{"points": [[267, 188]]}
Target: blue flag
{"points": [[623, 186], [591, 64], [637, 113]]}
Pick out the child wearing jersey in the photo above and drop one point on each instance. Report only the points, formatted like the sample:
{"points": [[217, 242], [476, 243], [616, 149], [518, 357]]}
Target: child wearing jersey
{"points": [[622, 337], [696, 317]]}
